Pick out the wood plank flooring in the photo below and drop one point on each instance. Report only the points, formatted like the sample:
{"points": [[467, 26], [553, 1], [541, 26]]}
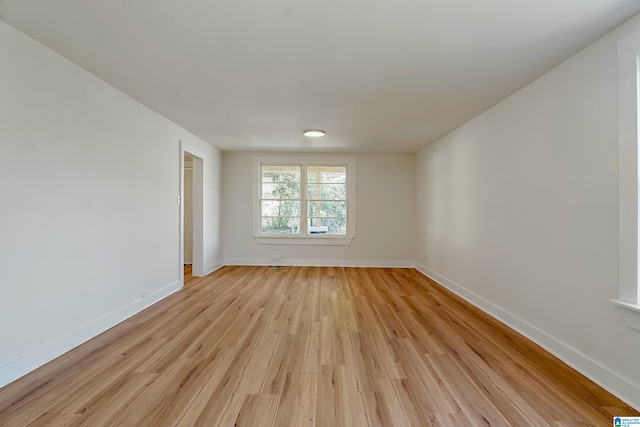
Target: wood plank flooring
{"points": [[308, 346]]}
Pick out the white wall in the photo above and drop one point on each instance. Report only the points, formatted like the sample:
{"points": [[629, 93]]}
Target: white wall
{"points": [[212, 205], [88, 218], [385, 217], [517, 211]]}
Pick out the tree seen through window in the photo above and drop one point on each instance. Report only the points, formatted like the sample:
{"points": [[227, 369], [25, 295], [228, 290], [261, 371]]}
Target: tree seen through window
{"points": [[284, 192]]}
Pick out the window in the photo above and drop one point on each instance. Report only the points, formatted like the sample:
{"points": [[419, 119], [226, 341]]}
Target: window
{"points": [[304, 200], [629, 170]]}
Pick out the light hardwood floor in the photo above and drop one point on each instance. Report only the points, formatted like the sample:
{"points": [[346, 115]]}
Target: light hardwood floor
{"points": [[295, 346], [188, 276]]}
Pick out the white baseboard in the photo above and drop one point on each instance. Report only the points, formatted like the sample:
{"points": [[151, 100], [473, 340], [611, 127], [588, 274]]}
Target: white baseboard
{"points": [[610, 381], [38, 357], [213, 267], [319, 262]]}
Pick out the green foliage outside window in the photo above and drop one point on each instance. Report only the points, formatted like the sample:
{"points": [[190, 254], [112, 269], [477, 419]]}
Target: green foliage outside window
{"points": [[325, 193], [281, 199], [326, 198]]}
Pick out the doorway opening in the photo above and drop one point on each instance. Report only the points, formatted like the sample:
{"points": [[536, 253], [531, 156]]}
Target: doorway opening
{"points": [[191, 204], [187, 226]]}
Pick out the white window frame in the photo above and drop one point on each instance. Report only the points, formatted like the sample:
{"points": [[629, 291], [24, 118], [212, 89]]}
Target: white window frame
{"points": [[629, 174], [304, 238]]}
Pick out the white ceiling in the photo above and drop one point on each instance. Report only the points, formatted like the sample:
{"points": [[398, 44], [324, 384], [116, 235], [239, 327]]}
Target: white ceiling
{"points": [[377, 75]]}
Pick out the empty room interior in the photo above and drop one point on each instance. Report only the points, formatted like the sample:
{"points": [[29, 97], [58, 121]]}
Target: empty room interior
{"points": [[411, 213]]}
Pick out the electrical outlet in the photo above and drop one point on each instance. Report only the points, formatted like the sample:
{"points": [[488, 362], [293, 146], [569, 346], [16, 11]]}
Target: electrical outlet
{"points": [[275, 258], [145, 294]]}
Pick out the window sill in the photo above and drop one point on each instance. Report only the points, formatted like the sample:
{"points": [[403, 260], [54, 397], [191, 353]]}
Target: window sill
{"points": [[630, 313], [321, 241]]}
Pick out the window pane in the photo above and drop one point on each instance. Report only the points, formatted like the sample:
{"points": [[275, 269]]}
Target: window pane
{"points": [[280, 217], [327, 191], [280, 173], [326, 174], [327, 217], [280, 190], [280, 225], [334, 226], [324, 209], [276, 208], [280, 182]]}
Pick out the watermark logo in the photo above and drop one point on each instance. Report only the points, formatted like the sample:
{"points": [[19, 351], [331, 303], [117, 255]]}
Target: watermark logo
{"points": [[626, 422]]}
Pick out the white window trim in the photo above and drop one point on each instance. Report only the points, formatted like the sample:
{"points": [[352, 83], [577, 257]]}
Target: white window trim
{"points": [[628, 122], [326, 240]]}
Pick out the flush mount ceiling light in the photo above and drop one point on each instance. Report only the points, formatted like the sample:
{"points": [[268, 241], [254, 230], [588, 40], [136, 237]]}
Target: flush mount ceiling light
{"points": [[313, 133]]}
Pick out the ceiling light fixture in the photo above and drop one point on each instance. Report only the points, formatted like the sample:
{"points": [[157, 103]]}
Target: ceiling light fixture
{"points": [[313, 133]]}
